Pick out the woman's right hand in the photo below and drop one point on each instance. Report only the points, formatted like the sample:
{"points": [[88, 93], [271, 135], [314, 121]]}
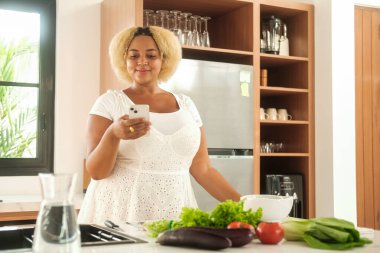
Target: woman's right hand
{"points": [[129, 129]]}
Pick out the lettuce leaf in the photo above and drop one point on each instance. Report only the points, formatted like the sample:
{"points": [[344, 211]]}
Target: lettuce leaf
{"points": [[223, 214]]}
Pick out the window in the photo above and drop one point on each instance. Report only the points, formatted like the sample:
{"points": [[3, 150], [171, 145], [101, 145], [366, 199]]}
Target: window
{"points": [[27, 80]]}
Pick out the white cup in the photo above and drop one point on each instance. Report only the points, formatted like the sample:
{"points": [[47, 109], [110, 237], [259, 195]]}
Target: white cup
{"points": [[263, 115], [283, 115], [272, 113]]}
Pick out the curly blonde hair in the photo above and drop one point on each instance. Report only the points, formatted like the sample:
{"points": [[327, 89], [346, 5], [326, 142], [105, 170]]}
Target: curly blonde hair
{"points": [[167, 43]]}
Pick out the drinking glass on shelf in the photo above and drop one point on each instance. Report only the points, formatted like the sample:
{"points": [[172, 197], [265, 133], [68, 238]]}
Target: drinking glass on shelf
{"points": [[147, 17], [279, 147], [205, 34], [163, 16], [176, 30], [195, 35], [156, 19], [186, 30]]}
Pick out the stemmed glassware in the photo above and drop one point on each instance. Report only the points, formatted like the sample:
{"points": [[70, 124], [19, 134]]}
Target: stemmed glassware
{"points": [[147, 16], [186, 32], [164, 18], [195, 36], [176, 30], [205, 34], [185, 26]]}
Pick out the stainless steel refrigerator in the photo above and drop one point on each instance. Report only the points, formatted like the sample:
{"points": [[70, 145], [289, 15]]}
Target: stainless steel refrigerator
{"points": [[222, 93]]}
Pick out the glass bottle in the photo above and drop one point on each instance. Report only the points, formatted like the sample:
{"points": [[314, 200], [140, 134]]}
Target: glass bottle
{"points": [[56, 228]]}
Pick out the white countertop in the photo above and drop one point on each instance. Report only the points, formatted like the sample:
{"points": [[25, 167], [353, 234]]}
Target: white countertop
{"points": [[255, 246], [32, 203]]}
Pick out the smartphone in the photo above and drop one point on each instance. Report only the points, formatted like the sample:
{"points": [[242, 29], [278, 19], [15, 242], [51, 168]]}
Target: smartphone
{"points": [[139, 111]]}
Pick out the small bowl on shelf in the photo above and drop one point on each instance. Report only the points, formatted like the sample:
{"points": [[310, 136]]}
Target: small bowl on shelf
{"points": [[275, 208]]}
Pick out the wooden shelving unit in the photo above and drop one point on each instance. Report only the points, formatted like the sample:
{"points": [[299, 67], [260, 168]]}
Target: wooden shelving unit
{"points": [[290, 78], [290, 86]]}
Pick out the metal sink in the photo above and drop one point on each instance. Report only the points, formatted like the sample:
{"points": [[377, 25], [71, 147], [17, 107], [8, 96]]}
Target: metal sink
{"points": [[91, 235]]}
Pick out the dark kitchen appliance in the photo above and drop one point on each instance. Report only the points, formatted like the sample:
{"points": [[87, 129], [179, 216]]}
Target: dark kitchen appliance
{"points": [[287, 185], [91, 235]]}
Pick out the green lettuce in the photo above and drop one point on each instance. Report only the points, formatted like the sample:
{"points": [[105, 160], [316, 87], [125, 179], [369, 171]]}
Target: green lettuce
{"points": [[223, 214]]}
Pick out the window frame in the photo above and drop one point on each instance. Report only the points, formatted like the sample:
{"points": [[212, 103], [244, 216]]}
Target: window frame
{"points": [[43, 163]]}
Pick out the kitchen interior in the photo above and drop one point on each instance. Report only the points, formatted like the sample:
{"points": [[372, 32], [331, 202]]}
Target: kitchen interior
{"points": [[307, 151]]}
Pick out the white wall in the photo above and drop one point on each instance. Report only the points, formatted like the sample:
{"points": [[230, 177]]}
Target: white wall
{"points": [[343, 94], [77, 86], [323, 110], [335, 107]]}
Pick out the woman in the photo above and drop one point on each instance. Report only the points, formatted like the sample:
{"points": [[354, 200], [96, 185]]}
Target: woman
{"points": [[137, 175]]}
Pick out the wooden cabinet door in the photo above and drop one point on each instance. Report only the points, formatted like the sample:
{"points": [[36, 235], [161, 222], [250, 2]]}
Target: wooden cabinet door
{"points": [[367, 72]]}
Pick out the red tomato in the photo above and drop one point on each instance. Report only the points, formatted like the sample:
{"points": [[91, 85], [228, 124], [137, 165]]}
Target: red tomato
{"points": [[238, 224], [270, 233]]}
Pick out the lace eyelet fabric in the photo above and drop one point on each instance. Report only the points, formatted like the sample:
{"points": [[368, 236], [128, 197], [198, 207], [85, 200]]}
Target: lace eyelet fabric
{"points": [[150, 179]]}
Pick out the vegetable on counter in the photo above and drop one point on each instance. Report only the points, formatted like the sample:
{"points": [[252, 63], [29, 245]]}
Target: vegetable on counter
{"points": [[154, 228], [185, 237], [238, 224], [324, 233], [270, 232], [223, 214], [239, 236]]}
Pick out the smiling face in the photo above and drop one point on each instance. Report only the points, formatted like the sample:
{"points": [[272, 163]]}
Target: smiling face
{"points": [[143, 61]]}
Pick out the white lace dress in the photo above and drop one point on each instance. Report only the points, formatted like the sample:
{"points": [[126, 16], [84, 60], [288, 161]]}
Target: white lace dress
{"points": [[151, 178]]}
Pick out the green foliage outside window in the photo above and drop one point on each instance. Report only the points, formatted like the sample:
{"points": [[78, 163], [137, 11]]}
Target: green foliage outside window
{"points": [[15, 139]]}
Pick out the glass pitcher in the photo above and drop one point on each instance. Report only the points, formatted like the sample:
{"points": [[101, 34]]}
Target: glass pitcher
{"points": [[271, 33], [56, 228]]}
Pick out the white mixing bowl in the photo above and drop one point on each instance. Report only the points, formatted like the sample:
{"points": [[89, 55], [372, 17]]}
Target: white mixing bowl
{"points": [[275, 208]]}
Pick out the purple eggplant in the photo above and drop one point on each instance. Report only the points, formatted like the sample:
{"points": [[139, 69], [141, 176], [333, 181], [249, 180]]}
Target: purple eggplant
{"points": [[238, 236], [185, 237]]}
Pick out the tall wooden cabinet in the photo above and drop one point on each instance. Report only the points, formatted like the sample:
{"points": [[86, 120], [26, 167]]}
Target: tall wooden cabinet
{"points": [[235, 38]]}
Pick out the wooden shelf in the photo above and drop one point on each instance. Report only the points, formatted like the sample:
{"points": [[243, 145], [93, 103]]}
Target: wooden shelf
{"points": [[284, 122], [284, 154], [272, 60], [278, 91], [218, 54]]}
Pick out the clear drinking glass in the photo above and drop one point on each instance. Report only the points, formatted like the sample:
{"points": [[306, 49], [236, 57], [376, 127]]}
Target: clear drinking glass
{"points": [[195, 36], [147, 17], [56, 228], [205, 34], [186, 31], [176, 30], [163, 14]]}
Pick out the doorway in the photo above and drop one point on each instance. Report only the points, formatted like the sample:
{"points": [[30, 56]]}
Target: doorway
{"points": [[367, 93]]}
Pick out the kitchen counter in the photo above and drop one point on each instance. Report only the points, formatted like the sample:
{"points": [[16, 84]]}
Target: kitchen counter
{"points": [[255, 246]]}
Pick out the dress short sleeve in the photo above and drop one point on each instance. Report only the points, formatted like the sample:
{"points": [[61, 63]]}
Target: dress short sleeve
{"points": [[188, 104], [107, 105]]}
